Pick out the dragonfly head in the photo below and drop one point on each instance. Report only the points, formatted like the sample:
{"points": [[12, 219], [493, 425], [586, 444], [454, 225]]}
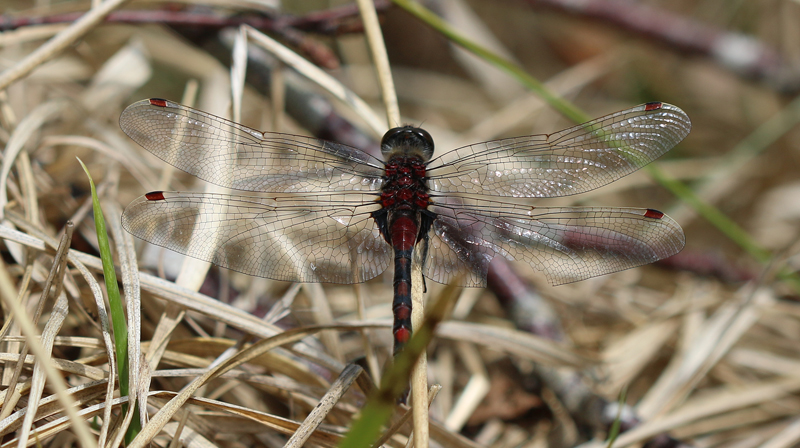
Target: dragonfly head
{"points": [[407, 141]]}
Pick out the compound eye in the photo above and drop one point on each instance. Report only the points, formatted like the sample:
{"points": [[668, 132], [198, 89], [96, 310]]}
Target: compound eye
{"points": [[426, 137], [389, 135], [427, 140]]}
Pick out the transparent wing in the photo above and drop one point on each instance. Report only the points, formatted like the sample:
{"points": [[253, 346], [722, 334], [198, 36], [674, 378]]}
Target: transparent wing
{"points": [[572, 161], [566, 244], [234, 156], [304, 239]]}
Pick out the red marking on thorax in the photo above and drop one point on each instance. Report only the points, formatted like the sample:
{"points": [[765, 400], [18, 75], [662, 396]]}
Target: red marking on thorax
{"points": [[405, 183], [155, 196], [387, 199]]}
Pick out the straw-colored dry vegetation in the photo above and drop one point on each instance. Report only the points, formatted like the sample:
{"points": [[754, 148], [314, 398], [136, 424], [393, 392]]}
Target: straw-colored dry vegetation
{"points": [[705, 345]]}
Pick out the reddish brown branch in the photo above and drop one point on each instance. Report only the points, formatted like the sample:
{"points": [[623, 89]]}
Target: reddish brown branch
{"points": [[331, 22], [709, 264], [740, 53]]}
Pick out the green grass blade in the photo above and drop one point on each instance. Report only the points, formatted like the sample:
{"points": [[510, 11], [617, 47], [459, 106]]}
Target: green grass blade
{"points": [[614, 431], [117, 310]]}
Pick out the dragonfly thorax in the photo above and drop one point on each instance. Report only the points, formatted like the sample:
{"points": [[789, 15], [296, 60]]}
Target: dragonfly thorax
{"points": [[405, 184], [407, 141]]}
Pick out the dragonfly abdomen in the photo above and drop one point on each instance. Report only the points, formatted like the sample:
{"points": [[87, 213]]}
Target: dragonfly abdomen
{"points": [[404, 228]]}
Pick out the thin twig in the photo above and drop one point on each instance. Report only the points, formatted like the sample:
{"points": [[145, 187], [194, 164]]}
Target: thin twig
{"points": [[740, 53], [326, 404], [419, 375], [333, 21], [380, 60]]}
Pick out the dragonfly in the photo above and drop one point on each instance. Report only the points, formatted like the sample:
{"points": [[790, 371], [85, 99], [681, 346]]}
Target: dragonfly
{"points": [[302, 209]]}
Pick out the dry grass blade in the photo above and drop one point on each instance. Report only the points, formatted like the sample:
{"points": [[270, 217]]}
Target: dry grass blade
{"points": [[473, 393], [282, 425], [326, 404], [55, 278], [324, 80], [57, 316], [58, 43], [60, 311], [106, 332], [26, 128], [522, 344], [238, 73], [419, 372], [132, 164], [166, 413], [56, 382], [515, 113], [62, 423], [380, 59], [48, 406], [710, 343], [24, 291], [720, 402], [66, 366], [627, 357], [322, 315], [788, 437]]}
